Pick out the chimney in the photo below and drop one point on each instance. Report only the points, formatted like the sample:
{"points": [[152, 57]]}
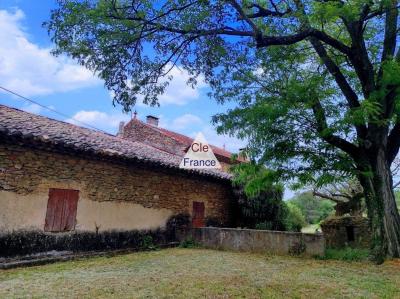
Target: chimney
{"points": [[121, 128], [152, 120]]}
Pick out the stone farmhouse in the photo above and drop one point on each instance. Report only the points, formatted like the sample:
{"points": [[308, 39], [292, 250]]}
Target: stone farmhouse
{"points": [[59, 177]]}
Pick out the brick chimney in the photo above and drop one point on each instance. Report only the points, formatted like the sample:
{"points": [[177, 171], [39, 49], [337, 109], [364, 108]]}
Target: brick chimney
{"points": [[152, 120], [121, 129]]}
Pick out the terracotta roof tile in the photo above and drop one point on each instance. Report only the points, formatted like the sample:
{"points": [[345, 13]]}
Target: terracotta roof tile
{"points": [[187, 141], [15, 123]]}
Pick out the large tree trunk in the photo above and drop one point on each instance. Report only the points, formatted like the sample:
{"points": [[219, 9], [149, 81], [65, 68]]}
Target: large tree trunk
{"points": [[382, 209], [391, 217]]}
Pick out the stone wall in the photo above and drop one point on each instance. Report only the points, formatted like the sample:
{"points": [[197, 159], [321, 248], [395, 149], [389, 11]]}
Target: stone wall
{"points": [[258, 240], [112, 195], [344, 231]]}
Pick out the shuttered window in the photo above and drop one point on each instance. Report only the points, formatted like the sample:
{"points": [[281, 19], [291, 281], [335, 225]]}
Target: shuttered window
{"points": [[61, 210]]}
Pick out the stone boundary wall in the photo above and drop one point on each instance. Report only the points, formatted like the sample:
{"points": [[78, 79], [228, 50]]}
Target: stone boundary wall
{"points": [[259, 241]]}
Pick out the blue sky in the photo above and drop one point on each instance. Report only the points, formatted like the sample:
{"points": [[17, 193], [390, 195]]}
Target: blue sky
{"points": [[28, 68]]}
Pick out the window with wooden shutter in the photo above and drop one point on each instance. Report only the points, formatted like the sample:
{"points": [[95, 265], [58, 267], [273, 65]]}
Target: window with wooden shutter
{"points": [[61, 210]]}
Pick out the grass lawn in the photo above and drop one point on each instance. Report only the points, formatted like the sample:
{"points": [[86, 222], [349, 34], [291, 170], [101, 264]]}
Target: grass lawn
{"points": [[201, 273]]}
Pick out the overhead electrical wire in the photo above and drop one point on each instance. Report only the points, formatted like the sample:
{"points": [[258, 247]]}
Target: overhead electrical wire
{"points": [[50, 109]]}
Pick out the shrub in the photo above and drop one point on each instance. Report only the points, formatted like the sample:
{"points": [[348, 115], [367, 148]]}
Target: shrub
{"points": [[266, 209], [346, 254], [188, 243], [147, 243], [176, 223], [29, 242], [295, 219], [264, 225]]}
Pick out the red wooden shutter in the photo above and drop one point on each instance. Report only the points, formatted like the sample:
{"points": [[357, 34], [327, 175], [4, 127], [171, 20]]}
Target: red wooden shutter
{"points": [[61, 210], [198, 214]]}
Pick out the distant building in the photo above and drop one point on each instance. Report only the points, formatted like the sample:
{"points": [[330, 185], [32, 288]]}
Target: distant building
{"points": [[174, 143]]}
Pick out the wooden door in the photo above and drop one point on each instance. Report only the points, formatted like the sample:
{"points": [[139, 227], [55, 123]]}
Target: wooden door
{"points": [[61, 210], [198, 214]]}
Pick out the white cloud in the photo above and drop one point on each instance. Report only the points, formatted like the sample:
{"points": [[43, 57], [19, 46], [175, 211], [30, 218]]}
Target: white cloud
{"points": [[32, 108], [178, 92], [30, 69], [35, 109], [181, 123], [184, 121], [98, 119]]}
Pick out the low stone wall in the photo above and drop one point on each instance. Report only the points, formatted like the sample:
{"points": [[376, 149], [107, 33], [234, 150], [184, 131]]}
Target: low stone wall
{"points": [[259, 240], [345, 231]]}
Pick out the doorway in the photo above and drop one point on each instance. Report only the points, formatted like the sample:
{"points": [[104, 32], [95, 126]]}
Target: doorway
{"points": [[198, 214]]}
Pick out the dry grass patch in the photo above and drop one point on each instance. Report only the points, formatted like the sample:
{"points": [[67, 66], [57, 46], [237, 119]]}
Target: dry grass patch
{"points": [[200, 273]]}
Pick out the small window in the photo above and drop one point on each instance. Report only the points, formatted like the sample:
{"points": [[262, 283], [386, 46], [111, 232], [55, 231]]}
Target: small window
{"points": [[61, 210], [350, 233]]}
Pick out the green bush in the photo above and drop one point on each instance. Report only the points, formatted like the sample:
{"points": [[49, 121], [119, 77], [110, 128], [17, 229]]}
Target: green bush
{"points": [[295, 219], [176, 223], [266, 210], [188, 243], [264, 225], [346, 254], [29, 242], [148, 243]]}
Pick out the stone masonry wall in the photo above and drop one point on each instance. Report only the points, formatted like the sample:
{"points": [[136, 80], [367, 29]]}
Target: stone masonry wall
{"points": [[24, 171], [258, 240], [336, 231]]}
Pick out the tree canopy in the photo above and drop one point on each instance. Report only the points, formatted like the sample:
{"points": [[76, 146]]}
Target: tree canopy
{"points": [[314, 209], [316, 82], [235, 47]]}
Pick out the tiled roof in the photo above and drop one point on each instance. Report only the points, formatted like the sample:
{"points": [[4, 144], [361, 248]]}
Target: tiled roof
{"points": [[187, 141], [31, 128]]}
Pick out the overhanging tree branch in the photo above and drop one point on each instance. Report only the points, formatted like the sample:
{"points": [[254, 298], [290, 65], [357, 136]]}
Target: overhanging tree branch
{"points": [[265, 41], [350, 95], [325, 134], [243, 15], [334, 197], [359, 56], [262, 40], [263, 12]]}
